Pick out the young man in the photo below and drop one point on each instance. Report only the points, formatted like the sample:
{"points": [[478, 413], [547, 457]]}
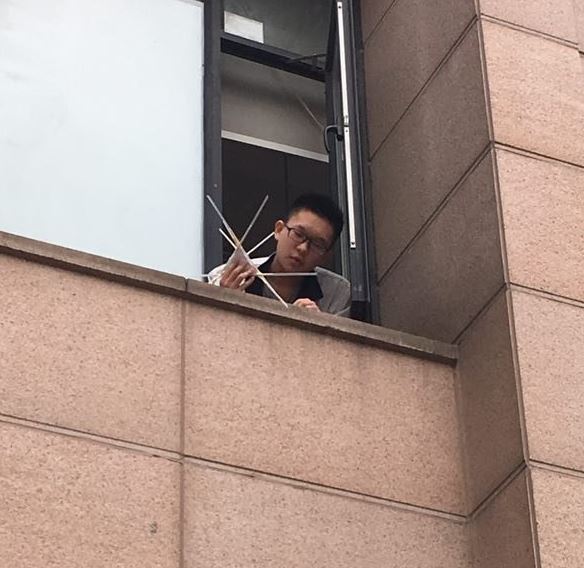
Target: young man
{"points": [[303, 241]]}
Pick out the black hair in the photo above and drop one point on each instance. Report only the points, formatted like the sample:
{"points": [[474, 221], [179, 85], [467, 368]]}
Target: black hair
{"points": [[323, 206]]}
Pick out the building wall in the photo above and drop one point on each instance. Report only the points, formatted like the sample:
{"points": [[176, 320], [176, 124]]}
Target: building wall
{"points": [[430, 161], [476, 122], [150, 421]]}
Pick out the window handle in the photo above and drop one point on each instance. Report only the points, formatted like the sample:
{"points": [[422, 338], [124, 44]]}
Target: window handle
{"points": [[338, 135]]}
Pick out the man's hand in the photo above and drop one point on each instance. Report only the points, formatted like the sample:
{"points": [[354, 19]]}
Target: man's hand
{"points": [[306, 303], [238, 276]]}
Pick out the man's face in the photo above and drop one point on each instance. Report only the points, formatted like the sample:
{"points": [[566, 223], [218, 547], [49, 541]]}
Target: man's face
{"points": [[295, 256]]}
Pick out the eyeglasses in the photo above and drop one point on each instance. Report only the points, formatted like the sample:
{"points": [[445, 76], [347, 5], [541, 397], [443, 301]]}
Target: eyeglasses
{"points": [[297, 236]]}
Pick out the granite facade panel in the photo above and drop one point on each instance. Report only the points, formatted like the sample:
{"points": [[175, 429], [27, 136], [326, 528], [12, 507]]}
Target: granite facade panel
{"points": [[88, 354], [553, 17], [403, 53], [490, 408], [290, 402], [550, 344], [501, 532], [559, 508], [236, 520], [435, 143], [372, 11], [537, 93], [543, 214], [453, 268], [68, 502]]}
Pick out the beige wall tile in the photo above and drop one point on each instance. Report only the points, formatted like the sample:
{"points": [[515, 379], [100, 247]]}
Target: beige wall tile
{"points": [[501, 532], [90, 355], [489, 402], [452, 269], [235, 520], [402, 54], [371, 13], [579, 12], [559, 508], [550, 343], [435, 143], [71, 503], [312, 407], [543, 213], [536, 92], [553, 17]]}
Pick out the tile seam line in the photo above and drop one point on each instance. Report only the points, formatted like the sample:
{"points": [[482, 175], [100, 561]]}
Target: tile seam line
{"points": [[485, 73], [533, 524], [379, 21], [182, 422], [426, 84], [523, 425], [110, 441], [508, 480], [462, 438], [436, 212], [547, 295], [559, 469], [182, 407], [151, 451], [322, 488], [486, 307], [531, 31], [535, 155], [503, 249]]}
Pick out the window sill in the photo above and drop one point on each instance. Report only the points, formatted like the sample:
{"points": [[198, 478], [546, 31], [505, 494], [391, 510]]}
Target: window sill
{"points": [[199, 292]]}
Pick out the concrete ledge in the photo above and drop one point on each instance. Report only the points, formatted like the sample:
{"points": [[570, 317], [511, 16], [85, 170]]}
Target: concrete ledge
{"points": [[199, 292], [343, 328], [85, 263]]}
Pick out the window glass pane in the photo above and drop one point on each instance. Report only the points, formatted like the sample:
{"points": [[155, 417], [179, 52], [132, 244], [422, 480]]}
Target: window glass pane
{"points": [[300, 26], [101, 127]]}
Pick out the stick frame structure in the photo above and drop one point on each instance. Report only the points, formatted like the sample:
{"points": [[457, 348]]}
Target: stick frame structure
{"points": [[236, 243]]}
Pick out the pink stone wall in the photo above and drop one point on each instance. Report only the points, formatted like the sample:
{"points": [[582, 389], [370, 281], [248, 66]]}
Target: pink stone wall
{"points": [[536, 89], [146, 421], [144, 428], [432, 168], [476, 150], [306, 406]]}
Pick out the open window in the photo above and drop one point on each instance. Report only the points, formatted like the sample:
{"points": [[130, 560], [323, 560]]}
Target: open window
{"points": [[103, 147], [281, 119]]}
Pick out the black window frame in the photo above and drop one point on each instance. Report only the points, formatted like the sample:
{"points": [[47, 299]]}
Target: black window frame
{"points": [[216, 42]]}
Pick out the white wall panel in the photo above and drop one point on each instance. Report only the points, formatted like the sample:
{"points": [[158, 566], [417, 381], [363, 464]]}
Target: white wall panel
{"points": [[101, 133]]}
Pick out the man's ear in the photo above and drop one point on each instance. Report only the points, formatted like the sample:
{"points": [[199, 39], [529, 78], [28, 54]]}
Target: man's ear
{"points": [[279, 227]]}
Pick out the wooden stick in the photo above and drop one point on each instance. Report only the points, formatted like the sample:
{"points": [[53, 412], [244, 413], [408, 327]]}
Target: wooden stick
{"points": [[238, 243], [289, 273], [227, 238], [261, 242], [255, 218], [270, 274], [224, 221]]}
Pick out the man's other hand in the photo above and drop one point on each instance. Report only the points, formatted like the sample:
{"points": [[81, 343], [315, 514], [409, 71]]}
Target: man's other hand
{"points": [[306, 303], [238, 276]]}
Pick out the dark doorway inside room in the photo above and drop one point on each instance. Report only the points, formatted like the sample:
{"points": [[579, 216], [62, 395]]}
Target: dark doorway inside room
{"points": [[251, 172]]}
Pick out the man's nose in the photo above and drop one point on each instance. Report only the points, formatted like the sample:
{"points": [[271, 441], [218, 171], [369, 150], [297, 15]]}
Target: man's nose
{"points": [[303, 247]]}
